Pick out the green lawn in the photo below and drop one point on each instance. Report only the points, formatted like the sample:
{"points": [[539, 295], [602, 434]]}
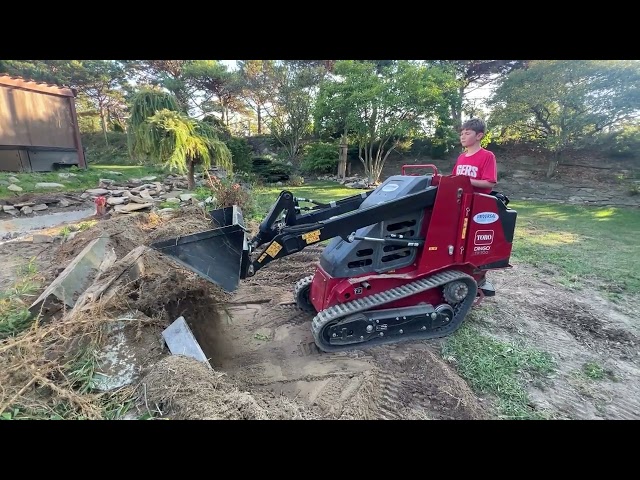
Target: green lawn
{"points": [[496, 368], [581, 243], [83, 180]]}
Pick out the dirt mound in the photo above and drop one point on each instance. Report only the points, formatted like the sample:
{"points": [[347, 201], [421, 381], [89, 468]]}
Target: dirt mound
{"points": [[129, 231], [183, 388]]}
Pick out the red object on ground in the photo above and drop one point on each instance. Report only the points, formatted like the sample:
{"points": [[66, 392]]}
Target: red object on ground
{"points": [[101, 206]]}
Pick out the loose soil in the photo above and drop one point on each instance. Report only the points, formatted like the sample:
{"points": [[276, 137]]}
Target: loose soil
{"points": [[265, 365]]}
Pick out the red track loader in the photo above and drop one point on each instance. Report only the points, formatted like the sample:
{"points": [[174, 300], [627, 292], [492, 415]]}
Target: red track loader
{"points": [[404, 261]]}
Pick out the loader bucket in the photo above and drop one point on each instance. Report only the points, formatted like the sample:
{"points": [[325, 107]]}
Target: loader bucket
{"points": [[219, 255]]}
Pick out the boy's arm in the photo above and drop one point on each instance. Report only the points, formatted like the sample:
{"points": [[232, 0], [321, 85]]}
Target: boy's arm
{"points": [[488, 176]]}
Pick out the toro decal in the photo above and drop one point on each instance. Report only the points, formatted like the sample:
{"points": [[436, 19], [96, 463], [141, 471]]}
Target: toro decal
{"points": [[483, 237], [485, 217]]}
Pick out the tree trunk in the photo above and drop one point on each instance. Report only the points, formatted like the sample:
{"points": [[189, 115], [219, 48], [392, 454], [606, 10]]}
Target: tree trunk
{"points": [[103, 122], [259, 121], [553, 164], [191, 181], [456, 108], [342, 162]]}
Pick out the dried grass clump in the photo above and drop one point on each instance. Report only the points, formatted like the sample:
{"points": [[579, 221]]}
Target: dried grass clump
{"points": [[183, 388], [47, 370]]}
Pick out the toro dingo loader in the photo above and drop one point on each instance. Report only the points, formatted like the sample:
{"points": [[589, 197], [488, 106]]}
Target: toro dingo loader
{"points": [[404, 261]]}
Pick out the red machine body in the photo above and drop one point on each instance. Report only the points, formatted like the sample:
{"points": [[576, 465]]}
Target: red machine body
{"points": [[463, 231]]}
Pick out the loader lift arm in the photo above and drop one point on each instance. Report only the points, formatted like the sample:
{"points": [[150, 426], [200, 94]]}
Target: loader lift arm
{"points": [[288, 205], [319, 226]]}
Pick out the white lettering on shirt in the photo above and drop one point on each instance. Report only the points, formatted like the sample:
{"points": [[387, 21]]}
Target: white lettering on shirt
{"points": [[468, 170]]}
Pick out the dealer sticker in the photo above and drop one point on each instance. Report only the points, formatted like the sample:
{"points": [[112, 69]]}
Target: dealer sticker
{"points": [[485, 217]]}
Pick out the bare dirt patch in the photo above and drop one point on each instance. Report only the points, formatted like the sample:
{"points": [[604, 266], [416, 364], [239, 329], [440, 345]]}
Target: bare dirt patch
{"points": [[15, 256]]}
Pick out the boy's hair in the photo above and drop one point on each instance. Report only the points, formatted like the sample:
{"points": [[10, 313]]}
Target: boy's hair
{"points": [[476, 124]]}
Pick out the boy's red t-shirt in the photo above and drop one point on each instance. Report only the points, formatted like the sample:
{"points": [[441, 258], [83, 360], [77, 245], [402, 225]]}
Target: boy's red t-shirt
{"points": [[481, 166]]}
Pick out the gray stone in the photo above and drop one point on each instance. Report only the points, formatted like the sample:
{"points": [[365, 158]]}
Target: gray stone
{"points": [[144, 194], [131, 207], [14, 188], [75, 278], [181, 341], [116, 200], [185, 197], [49, 185], [174, 194], [97, 191], [37, 238]]}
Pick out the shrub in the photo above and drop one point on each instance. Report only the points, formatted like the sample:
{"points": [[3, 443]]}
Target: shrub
{"points": [[241, 153], [271, 171], [295, 181], [320, 157], [626, 143], [228, 193]]}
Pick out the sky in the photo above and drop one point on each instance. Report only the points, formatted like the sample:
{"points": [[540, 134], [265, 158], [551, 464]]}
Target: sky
{"points": [[231, 64]]}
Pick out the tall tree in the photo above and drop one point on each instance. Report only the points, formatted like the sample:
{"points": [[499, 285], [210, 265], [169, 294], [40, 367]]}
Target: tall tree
{"points": [[257, 78], [562, 102], [216, 82], [291, 115], [474, 74], [100, 80], [383, 104]]}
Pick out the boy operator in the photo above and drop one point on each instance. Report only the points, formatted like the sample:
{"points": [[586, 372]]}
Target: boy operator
{"points": [[476, 162], [479, 164]]}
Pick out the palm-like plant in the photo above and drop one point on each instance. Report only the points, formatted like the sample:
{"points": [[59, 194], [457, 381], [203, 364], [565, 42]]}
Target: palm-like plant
{"points": [[159, 130], [144, 104], [181, 143]]}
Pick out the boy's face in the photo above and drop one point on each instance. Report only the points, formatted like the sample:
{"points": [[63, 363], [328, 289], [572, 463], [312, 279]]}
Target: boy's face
{"points": [[469, 137]]}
